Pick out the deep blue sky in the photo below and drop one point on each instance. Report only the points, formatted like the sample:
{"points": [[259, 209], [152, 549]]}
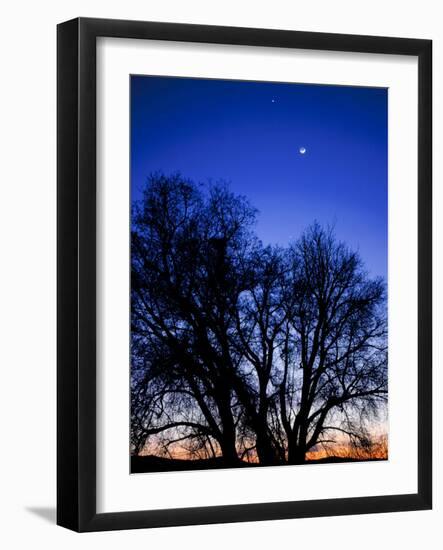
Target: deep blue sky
{"points": [[250, 133]]}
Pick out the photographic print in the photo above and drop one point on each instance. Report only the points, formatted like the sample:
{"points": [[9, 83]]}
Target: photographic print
{"points": [[259, 246]]}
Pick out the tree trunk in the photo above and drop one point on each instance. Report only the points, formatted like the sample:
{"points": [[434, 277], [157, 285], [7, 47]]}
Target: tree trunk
{"points": [[230, 456], [296, 453], [265, 452], [228, 435]]}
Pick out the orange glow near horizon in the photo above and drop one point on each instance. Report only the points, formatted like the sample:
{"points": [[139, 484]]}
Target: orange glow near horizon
{"points": [[379, 450]]}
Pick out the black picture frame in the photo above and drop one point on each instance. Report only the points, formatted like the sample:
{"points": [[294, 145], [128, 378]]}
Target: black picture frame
{"points": [[77, 248]]}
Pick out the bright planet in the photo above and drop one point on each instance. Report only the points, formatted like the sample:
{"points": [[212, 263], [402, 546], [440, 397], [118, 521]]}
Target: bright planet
{"points": [[302, 150]]}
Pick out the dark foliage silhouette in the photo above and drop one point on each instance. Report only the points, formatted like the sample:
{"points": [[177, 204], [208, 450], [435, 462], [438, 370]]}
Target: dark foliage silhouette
{"points": [[242, 352]]}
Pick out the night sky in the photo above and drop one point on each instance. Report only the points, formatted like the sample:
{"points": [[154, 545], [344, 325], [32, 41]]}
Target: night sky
{"points": [[250, 134]]}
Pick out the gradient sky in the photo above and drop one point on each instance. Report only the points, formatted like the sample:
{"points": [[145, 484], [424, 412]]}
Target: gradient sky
{"points": [[250, 133]]}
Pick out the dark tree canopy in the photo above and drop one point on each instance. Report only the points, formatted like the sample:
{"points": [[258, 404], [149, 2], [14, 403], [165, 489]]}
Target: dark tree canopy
{"points": [[245, 351]]}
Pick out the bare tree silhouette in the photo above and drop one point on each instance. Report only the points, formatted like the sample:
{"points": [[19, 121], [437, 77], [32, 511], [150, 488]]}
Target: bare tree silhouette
{"points": [[187, 274], [336, 343], [244, 351]]}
